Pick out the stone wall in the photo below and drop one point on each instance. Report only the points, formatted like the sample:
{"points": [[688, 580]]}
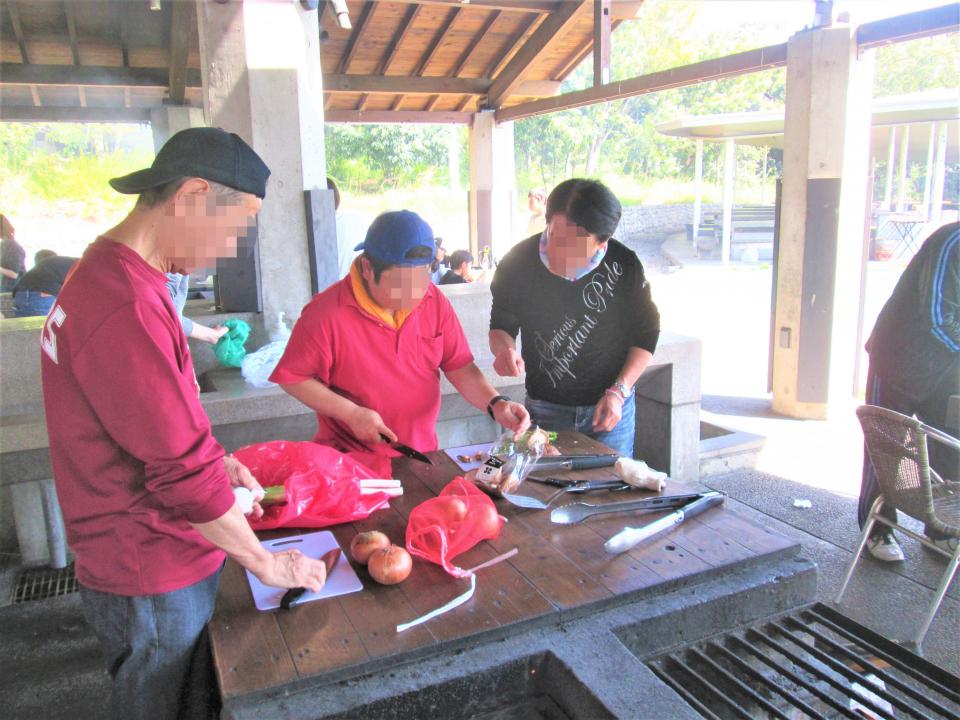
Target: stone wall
{"points": [[644, 223]]}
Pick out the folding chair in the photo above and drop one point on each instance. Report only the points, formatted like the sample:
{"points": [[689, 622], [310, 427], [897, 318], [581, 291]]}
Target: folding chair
{"points": [[897, 446]]}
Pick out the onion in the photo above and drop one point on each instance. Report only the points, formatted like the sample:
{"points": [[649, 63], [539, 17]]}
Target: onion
{"points": [[366, 543], [389, 566]]}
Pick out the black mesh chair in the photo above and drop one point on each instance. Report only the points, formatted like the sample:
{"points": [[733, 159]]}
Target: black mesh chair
{"points": [[897, 447]]}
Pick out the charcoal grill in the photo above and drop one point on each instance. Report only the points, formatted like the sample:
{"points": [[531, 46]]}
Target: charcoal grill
{"points": [[813, 662]]}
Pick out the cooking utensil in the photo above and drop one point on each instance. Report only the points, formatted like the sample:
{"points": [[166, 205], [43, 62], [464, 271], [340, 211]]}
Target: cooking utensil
{"points": [[406, 450], [577, 512], [629, 536], [566, 486], [575, 462], [329, 560]]}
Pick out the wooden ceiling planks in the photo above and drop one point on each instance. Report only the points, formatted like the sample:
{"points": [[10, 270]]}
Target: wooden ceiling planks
{"points": [[482, 39]]}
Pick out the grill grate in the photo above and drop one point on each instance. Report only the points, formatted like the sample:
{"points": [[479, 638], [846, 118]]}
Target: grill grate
{"points": [[43, 583], [813, 663]]}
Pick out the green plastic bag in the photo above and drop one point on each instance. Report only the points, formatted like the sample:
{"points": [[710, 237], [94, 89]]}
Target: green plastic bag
{"points": [[229, 349]]}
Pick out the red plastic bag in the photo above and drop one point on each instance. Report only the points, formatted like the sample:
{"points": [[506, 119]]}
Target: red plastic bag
{"points": [[441, 528], [322, 484]]}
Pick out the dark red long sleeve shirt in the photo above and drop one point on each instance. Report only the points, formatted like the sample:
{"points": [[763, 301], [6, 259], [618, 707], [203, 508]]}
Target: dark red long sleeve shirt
{"points": [[133, 456]]}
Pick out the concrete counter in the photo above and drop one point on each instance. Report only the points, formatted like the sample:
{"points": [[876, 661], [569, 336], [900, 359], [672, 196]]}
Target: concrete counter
{"points": [[668, 406]]}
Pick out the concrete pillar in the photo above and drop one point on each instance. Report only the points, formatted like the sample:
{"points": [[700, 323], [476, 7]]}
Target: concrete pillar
{"points": [[825, 173], [453, 156], [492, 186], [902, 179], [262, 80], [891, 157], [928, 174], [698, 197], [939, 174], [729, 163], [171, 119]]}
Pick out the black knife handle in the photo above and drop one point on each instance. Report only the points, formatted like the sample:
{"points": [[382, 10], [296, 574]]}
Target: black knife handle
{"points": [[587, 485], [589, 463], [291, 596]]}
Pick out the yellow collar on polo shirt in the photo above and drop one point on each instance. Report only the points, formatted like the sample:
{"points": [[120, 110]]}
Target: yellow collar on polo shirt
{"points": [[369, 305]]}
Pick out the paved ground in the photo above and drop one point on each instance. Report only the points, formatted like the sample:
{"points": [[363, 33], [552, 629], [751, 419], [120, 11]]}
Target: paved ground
{"points": [[49, 659]]}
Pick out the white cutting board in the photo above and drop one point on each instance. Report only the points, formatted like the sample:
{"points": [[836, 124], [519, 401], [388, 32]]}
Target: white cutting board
{"points": [[470, 450], [341, 581]]}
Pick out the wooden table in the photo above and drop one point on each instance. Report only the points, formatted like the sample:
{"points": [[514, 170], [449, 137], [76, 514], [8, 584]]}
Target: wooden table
{"points": [[560, 572]]}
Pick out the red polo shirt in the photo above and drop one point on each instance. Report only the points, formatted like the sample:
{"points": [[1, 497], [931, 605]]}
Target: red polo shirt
{"points": [[394, 372], [133, 458]]}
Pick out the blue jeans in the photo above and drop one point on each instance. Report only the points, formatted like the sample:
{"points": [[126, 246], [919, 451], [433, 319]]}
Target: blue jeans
{"points": [[552, 416], [31, 303], [156, 650]]}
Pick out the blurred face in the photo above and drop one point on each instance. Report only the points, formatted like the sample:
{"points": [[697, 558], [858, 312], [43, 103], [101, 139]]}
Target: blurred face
{"points": [[400, 287], [198, 225], [570, 248], [536, 203]]}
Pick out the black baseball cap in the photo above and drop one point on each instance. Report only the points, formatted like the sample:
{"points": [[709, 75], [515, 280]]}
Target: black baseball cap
{"points": [[204, 152]]}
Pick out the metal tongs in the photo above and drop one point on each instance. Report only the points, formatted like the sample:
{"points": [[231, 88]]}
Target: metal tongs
{"points": [[577, 512]]}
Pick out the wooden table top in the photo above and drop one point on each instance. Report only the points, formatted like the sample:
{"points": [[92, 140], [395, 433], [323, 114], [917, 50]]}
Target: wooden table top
{"points": [[560, 572]]}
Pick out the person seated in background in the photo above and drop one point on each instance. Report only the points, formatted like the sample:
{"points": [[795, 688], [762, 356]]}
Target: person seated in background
{"points": [[440, 261], [178, 286], [12, 256], [461, 269], [367, 353], [537, 204], [37, 289]]}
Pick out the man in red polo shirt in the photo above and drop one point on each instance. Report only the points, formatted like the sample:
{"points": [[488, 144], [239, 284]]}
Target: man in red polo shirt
{"points": [[144, 487], [367, 352]]}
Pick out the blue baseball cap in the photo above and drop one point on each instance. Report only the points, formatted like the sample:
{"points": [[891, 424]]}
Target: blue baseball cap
{"points": [[393, 235]]}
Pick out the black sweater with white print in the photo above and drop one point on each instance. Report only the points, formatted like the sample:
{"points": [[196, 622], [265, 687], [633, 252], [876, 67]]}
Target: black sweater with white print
{"points": [[574, 336]]}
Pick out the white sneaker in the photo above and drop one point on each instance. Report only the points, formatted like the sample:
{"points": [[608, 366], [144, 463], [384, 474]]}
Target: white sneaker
{"points": [[885, 548], [948, 545]]}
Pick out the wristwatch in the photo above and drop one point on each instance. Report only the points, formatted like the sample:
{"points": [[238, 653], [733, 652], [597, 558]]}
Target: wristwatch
{"points": [[493, 401], [622, 388]]}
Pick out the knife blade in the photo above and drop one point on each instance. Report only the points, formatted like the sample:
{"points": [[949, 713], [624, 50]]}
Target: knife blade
{"points": [[329, 560], [406, 450], [576, 512]]}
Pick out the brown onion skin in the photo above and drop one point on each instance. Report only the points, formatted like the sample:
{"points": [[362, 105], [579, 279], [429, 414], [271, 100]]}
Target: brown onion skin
{"points": [[390, 566], [366, 543]]}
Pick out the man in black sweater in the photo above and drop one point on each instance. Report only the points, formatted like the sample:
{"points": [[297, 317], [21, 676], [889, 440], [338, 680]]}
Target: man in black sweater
{"points": [[582, 304], [915, 367]]}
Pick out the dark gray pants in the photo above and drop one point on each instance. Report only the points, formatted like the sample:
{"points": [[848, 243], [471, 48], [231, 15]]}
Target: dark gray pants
{"points": [[157, 650]]}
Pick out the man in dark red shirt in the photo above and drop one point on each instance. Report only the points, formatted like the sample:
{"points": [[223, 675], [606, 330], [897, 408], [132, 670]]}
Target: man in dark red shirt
{"points": [[145, 489]]}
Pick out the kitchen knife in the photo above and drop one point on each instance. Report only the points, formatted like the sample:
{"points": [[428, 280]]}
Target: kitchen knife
{"points": [[575, 462], [407, 450], [630, 537], [329, 560]]}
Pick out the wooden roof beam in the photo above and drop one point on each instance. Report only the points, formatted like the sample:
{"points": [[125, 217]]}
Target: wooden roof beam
{"points": [[181, 23], [354, 43], [534, 7], [124, 33], [53, 113], [70, 13], [392, 116], [475, 43], [498, 63], [765, 58], [556, 24], [18, 29], [578, 56], [90, 76]]}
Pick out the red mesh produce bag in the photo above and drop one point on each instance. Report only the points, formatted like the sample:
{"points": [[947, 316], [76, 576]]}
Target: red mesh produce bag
{"points": [[322, 485], [441, 528]]}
